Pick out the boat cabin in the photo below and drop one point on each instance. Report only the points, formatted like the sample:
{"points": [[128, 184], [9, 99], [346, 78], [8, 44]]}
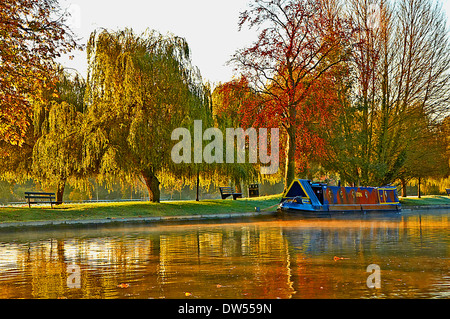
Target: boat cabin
{"points": [[304, 195]]}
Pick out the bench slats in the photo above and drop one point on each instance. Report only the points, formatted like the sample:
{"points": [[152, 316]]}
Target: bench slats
{"points": [[47, 198], [226, 192], [45, 202]]}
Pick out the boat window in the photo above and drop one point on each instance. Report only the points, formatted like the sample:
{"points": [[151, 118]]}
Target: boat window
{"points": [[318, 190]]}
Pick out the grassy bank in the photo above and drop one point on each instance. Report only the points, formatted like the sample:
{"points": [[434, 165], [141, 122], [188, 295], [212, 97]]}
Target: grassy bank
{"points": [[135, 209], [430, 200], [175, 208]]}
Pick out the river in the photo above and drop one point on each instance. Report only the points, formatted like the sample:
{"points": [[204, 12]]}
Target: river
{"points": [[255, 258]]}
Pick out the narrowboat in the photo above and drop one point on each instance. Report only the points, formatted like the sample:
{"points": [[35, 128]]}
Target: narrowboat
{"points": [[304, 196]]}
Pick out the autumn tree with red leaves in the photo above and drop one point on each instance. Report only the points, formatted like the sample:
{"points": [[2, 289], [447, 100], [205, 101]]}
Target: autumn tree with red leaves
{"points": [[230, 102], [299, 43], [399, 76], [33, 33]]}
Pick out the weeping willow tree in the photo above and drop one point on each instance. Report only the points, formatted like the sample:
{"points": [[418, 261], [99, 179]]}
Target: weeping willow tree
{"points": [[139, 89], [229, 101], [57, 122], [191, 173]]}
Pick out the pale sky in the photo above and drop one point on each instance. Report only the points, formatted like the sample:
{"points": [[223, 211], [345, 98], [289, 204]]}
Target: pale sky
{"points": [[209, 26]]}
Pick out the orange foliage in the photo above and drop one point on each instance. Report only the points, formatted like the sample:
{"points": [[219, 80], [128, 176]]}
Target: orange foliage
{"points": [[32, 37]]}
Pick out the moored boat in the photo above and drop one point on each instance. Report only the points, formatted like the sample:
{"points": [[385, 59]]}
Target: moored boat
{"points": [[303, 196]]}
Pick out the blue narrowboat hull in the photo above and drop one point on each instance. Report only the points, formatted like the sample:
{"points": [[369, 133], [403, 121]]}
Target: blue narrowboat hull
{"points": [[319, 199]]}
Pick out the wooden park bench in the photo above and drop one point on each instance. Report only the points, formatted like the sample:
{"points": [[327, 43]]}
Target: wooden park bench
{"points": [[226, 192], [39, 198]]}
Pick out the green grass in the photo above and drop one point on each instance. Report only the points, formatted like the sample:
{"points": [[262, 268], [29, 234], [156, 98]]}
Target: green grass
{"points": [[135, 209], [175, 208], [425, 200]]}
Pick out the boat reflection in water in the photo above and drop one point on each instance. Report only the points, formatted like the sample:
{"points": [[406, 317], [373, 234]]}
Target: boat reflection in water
{"points": [[303, 196], [277, 258]]}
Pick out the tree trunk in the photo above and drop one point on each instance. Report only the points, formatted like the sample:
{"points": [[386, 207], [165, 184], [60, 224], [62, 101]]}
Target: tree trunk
{"points": [[289, 174], [404, 185], [418, 189], [152, 183], [197, 198], [60, 191], [237, 185]]}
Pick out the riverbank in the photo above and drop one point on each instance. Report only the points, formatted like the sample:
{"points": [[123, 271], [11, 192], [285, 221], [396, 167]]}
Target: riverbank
{"points": [[135, 211], [103, 213], [425, 203], [431, 200]]}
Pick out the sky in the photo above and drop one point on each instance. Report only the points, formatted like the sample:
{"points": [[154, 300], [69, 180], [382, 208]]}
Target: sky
{"points": [[209, 26]]}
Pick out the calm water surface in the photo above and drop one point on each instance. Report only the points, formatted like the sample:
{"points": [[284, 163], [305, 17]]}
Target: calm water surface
{"points": [[275, 258]]}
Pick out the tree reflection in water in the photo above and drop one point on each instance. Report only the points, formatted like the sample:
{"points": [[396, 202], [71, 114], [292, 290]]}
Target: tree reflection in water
{"points": [[270, 259]]}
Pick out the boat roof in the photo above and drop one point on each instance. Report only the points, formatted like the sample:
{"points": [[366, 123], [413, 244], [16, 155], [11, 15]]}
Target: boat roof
{"points": [[302, 188]]}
